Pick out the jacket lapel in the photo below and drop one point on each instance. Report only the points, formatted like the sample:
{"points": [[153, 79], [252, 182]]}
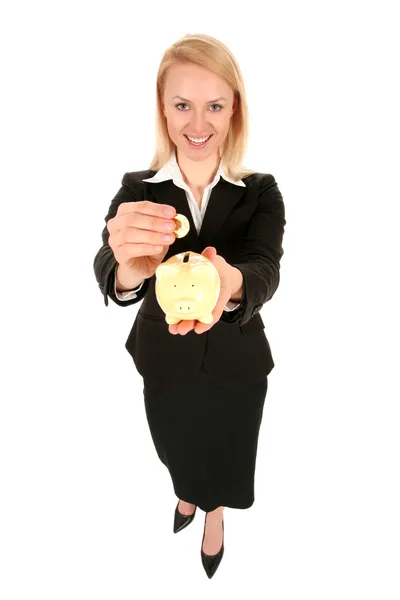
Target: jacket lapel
{"points": [[223, 199]]}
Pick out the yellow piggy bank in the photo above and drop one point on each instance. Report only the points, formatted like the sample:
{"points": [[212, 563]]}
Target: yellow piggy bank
{"points": [[187, 287]]}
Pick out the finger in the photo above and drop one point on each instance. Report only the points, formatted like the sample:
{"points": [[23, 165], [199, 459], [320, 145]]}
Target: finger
{"points": [[173, 328], [210, 252], [147, 207], [183, 327], [148, 222], [134, 235], [144, 223], [203, 327], [128, 251], [144, 214], [223, 298]]}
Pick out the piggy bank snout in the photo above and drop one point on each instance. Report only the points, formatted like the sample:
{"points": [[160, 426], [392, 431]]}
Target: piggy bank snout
{"points": [[184, 306]]}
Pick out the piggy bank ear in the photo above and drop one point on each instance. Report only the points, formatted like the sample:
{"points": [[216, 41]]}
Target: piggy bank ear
{"points": [[205, 271], [164, 271]]}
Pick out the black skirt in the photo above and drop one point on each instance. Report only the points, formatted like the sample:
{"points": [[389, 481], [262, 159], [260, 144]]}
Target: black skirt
{"points": [[206, 434]]}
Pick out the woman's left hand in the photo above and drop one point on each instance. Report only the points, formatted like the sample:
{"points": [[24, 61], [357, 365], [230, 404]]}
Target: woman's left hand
{"points": [[223, 268]]}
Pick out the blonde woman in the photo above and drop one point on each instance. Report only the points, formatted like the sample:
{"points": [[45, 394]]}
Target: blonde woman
{"points": [[204, 385]]}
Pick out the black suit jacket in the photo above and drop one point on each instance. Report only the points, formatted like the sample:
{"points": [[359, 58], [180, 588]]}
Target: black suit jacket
{"points": [[246, 226]]}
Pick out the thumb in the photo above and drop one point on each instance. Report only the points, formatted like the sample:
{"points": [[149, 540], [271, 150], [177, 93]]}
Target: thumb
{"points": [[210, 252]]}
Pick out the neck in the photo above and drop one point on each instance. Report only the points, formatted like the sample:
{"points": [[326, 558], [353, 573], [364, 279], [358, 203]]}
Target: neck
{"points": [[198, 174]]}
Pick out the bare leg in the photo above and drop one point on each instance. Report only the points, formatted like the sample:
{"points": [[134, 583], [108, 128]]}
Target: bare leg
{"points": [[185, 508], [213, 532]]}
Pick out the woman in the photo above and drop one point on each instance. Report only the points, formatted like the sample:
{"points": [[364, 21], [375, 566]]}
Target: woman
{"points": [[204, 385]]}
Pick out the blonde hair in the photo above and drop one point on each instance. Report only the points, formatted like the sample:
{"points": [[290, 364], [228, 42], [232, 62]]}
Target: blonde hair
{"points": [[208, 52]]}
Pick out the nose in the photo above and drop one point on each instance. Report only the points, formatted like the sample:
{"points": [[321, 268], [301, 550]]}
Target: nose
{"points": [[198, 123]]}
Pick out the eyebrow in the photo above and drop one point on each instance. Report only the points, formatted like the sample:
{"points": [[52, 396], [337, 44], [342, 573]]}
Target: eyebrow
{"points": [[186, 100]]}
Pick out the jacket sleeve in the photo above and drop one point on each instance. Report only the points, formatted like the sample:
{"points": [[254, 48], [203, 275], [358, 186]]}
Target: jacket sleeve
{"points": [[128, 294], [260, 254], [105, 263]]}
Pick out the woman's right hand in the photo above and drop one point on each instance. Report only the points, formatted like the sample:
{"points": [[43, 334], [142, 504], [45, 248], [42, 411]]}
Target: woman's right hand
{"points": [[136, 230]]}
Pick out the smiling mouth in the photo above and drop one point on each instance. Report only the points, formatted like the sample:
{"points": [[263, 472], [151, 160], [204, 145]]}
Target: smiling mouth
{"points": [[194, 145]]}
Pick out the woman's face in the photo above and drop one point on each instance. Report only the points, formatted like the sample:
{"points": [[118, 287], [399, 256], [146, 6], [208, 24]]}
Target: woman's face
{"points": [[201, 112]]}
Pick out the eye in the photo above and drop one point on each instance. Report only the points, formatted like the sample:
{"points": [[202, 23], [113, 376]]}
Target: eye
{"points": [[184, 104]]}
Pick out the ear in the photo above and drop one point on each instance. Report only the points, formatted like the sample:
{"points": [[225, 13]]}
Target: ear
{"points": [[162, 105], [205, 271], [163, 271], [235, 104]]}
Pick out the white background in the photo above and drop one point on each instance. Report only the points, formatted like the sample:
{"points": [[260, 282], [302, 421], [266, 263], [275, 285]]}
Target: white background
{"points": [[86, 506]]}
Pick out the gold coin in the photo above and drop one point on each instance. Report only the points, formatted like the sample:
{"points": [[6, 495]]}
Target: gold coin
{"points": [[182, 225]]}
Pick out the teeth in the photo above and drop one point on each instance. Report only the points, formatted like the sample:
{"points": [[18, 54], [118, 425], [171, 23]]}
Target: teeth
{"points": [[199, 141]]}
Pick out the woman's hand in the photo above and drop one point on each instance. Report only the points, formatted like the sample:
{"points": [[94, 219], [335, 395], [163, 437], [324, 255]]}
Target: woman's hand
{"points": [[136, 231], [223, 268]]}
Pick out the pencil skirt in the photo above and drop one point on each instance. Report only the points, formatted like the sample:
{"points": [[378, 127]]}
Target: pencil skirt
{"points": [[206, 434]]}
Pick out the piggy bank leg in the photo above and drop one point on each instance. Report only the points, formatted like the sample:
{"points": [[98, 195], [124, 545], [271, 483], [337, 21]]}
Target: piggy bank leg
{"points": [[172, 320], [207, 319]]}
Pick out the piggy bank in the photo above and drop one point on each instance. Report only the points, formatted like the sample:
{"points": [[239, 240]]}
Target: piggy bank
{"points": [[187, 287]]}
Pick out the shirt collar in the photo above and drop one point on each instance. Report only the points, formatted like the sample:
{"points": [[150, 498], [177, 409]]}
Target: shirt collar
{"points": [[171, 170]]}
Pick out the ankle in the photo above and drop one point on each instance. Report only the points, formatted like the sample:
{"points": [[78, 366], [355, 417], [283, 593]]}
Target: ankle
{"points": [[184, 503]]}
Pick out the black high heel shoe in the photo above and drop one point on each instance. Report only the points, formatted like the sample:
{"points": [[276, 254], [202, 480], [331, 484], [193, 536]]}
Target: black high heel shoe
{"points": [[181, 521], [211, 561]]}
